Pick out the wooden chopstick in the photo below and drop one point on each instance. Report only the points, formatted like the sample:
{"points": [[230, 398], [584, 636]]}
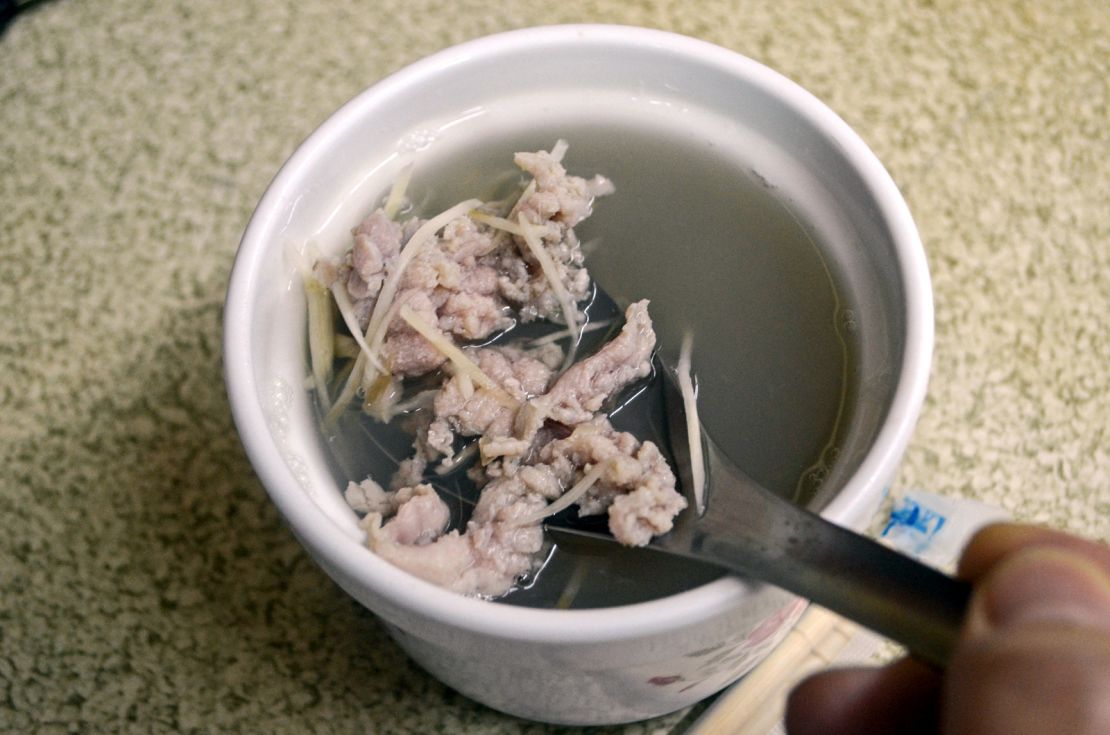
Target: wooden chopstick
{"points": [[756, 704]]}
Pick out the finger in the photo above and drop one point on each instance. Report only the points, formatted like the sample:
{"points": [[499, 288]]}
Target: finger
{"points": [[1041, 584], [997, 541], [901, 697], [1036, 679], [1035, 654]]}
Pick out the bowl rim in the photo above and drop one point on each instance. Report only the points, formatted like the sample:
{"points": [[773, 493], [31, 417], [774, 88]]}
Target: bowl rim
{"points": [[360, 566]]}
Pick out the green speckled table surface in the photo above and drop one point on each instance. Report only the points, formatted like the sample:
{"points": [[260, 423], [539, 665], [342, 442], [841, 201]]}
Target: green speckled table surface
{"points": [[147, 585]]}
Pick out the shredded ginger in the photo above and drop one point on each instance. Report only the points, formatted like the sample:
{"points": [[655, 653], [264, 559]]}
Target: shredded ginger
{"points": [[569, 498], [396, 198], [457, 357], [375, 330], [346, 310], [321, 338], [551, 273], [693, 425]]}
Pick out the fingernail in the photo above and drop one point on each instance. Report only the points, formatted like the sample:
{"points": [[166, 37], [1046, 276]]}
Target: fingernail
{"points": [[1045, 585]]}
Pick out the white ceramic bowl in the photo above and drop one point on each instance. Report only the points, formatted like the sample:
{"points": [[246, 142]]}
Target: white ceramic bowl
{"points": [[610, 664]]}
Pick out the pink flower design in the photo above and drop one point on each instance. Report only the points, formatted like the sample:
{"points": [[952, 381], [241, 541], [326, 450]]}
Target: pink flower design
{"points": [[662, 681], [768, 627]]}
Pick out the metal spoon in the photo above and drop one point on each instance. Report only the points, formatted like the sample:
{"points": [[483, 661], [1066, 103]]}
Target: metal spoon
{"points": [[753, 532]]}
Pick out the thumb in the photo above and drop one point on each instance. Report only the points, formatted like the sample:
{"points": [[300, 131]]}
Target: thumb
{"points": [[1041, 584], [1036, 651]]}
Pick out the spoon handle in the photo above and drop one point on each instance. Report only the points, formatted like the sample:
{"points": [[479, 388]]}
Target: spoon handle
{"points": [[849, 574]]}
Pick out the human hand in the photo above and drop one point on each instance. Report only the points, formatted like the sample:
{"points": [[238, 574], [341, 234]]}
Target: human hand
{"points": [[1033, 655]]}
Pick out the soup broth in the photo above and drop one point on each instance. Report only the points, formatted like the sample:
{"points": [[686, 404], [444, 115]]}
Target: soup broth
{"points": [[719, 251]]}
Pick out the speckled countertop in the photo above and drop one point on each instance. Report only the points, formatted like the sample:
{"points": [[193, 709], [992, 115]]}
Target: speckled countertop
{"points": [[147, 585]]}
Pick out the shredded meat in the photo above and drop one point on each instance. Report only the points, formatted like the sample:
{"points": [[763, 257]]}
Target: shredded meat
{"points": [[466, 410], [485, 561], [637, 487], [555, 204], [583, 389], [538, 433], [469, 279], [526, 467]]}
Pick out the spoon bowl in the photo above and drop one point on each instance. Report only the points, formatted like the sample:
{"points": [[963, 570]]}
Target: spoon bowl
{"points": [[749, 530]]}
